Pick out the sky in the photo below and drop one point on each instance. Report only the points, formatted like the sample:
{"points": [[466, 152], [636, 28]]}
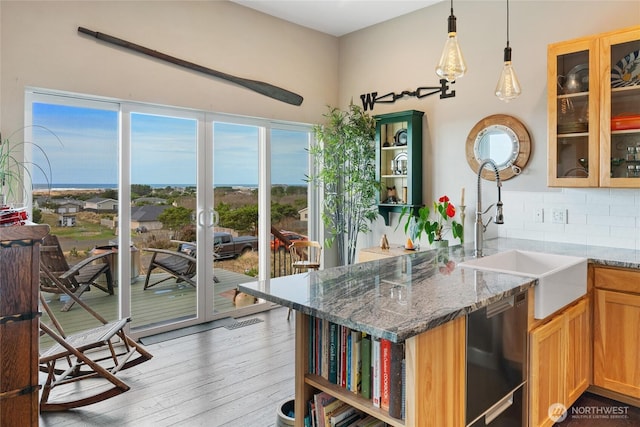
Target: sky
{"points": [[163, 149]]}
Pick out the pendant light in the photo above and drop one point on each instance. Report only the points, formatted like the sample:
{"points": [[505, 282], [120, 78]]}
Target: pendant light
{"points": [[508, 87], [451, 65]]}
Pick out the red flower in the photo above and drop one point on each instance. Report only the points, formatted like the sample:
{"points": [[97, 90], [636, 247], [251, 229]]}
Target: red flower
{"points": [[451, 210]]}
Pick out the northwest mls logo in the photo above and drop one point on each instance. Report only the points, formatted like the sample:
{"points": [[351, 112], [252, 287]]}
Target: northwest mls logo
{"points": [[557, 412]]}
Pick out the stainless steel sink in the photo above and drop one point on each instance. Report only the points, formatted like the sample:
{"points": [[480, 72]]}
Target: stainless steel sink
{"points": [[561, 278]]}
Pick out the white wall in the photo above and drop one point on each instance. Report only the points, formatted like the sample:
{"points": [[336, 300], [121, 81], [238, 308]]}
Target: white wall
{"points": [[40, 47], [401, 55]]}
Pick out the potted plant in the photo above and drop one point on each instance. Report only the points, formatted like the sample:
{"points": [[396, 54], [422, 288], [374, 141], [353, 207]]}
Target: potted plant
{"points": [[443, 220], [344, 160], [14, 171]]}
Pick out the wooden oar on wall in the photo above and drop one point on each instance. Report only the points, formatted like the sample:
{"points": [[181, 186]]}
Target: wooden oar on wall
{"points": [[263, 88]]}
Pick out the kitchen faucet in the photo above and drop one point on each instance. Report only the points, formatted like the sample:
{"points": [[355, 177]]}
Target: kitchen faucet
{"points": [[480, 227]]}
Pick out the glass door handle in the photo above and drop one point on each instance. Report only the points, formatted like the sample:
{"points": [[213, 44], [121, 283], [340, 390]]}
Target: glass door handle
{"points": [[212, 218]]}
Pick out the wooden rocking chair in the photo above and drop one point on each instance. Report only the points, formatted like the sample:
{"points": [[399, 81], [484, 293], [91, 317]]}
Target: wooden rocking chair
{"points": [[98, 354], [55, 270]]}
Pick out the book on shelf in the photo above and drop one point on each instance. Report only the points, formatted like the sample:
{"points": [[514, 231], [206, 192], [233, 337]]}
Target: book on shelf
{"points": [[351, 420], [342, 413], [311, 408], [344, 332], [365, 375], [356, 362], [348, 362], [375, 370], [369, 421], [396, 356], [317, 358], [328, 410], [324, 345], [385, 370], [334, 343], [312, 346], [321, 400]]}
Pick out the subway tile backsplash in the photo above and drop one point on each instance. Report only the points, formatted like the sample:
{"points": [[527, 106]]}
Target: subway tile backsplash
{"points": [[599, 216]]}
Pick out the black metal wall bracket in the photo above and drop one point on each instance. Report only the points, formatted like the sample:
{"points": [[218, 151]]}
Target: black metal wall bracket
{"points": [[370, 99]]}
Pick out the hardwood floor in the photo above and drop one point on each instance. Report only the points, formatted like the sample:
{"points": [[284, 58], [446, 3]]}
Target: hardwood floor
{"points": [[215, 378], [233, 378], [591, 410]]}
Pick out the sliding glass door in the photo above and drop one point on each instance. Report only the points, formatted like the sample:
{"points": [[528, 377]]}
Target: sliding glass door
{"points": [[162, 222], [189, 195], [72, 148], [236, 199]]}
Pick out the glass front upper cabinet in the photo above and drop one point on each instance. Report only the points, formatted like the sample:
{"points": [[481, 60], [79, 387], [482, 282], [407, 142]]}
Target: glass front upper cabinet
{"points": [[572, 106], [593, 94], [620, 109]]}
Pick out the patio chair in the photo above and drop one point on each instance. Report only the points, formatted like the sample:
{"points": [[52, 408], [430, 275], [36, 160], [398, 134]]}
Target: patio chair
{"points": [[95, 355], [55, 271], [305, 255], [180, 264]]}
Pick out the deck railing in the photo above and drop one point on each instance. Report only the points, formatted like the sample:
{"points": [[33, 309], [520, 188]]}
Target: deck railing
{"points": [[280, 255]]}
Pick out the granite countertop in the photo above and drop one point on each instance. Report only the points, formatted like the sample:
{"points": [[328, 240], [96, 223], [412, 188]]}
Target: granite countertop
{"points": [[399, 297]]}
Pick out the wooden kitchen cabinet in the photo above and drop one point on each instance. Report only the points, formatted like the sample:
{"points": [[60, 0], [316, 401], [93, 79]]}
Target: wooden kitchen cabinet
{"points": [[616, 341], [578, 368], [546, 382], [559, 361], [593, 105]]}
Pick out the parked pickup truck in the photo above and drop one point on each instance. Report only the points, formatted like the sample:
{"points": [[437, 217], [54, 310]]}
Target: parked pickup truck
{"points": [[227, 246]]}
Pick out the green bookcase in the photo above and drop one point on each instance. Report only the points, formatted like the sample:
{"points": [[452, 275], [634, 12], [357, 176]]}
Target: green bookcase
{"points": [[399, 161]]}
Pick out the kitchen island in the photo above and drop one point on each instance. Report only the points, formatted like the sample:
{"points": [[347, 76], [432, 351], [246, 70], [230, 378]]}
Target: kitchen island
{"points": [[422, 299]]}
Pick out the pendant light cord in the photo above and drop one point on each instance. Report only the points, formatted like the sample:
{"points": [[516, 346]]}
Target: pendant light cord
{"points": [[507, 23], [451, 21]]}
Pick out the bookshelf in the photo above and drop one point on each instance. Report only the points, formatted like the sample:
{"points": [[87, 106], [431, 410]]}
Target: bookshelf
{"points": [[434, 378], [399, 160]]}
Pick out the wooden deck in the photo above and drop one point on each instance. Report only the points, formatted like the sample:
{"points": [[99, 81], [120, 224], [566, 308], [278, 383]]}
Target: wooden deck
{"points": [[164, 302], [216, 378]]}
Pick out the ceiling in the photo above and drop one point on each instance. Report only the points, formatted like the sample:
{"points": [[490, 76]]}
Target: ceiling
{"points": [[336, 17]]}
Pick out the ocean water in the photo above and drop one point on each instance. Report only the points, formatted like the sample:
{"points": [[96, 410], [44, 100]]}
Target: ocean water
{"points": [[78, 186]]}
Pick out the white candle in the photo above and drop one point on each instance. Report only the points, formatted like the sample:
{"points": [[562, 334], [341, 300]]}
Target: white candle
{"points": [[462, 197]]}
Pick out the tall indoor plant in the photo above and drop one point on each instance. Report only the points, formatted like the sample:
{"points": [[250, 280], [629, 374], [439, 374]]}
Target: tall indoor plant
{"points": [[344, 160]]}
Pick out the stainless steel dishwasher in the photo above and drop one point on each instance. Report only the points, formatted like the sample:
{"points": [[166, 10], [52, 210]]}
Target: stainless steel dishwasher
{"points": [[496, 363]]}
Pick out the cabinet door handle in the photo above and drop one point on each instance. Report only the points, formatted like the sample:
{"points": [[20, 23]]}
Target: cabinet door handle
{"points": [[500, 306], [498, 409]]}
